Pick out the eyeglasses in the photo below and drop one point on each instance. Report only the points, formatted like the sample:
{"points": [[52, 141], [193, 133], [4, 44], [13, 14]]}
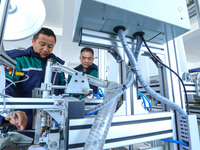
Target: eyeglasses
{"points": [[84, 58]]}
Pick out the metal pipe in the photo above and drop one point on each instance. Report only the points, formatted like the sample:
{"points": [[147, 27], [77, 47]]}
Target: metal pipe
{"points": [[92, 80], [4, 13], [47, 78], [58, 86]]}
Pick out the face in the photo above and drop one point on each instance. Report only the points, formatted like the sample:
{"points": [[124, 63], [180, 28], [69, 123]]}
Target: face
{"points": [[43, 45], [86, 59]]}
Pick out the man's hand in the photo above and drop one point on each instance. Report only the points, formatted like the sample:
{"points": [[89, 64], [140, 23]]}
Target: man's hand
{"points": [[19, 119]]}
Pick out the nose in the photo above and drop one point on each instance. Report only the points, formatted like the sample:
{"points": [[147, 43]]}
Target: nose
{"points": [[86, 60], [45, 48]]}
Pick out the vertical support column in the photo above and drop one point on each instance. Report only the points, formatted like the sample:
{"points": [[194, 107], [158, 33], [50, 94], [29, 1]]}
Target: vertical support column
{"points": [[174, 64], [3, 12], [175, 89], [47, 78], [131, 94], [196, 2], [2, 79], [41, 116], [102, 64], [4, 59]]}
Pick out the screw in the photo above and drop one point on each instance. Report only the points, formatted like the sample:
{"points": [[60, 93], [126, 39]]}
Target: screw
{"points": [[180, 8], [57, 103]]}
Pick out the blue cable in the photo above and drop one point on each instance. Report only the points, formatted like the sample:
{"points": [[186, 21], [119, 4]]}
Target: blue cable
{"points": [[97, 96], [145, 107], [191, 71], [100, 93], [93, 113], [145, 98], [148, 102], [175, 141], [56, 122]]}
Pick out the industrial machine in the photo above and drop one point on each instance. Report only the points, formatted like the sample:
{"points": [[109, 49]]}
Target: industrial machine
{"points": [[136, 34]]}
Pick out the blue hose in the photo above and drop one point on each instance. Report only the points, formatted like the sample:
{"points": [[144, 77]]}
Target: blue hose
{"points": [[145, 98], [175, 141], [100, 93], [56, 122], [93, 113], [148, 101]]}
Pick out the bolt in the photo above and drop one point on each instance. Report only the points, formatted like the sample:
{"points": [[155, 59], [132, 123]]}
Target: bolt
{"points": [[57, 103], [112, 51], [180, 8]]}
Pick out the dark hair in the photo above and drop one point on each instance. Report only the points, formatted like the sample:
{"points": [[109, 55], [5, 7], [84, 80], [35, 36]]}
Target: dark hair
{"points": [[87, 49], [45, 31]]}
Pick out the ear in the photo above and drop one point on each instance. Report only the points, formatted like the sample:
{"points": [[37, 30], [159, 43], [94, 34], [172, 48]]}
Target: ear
{"points": [[33, 41]]}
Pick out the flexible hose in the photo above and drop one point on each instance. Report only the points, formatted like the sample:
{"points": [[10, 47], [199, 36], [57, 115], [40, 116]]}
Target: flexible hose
{"points": [[175, 141], [116, 95], [138, 47], [102, 123], [100, 127], [157, 58], [141, 79]]}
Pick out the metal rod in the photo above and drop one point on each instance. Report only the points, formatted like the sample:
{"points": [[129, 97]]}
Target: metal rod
{"points": [[4, 12]]}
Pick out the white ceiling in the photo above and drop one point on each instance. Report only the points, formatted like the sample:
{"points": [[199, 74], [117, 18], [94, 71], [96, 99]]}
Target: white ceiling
{"points": [[55, 12]]}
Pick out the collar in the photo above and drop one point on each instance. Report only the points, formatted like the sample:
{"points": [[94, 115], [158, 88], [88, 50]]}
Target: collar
{"points": [[91, 67], [30, 52]]}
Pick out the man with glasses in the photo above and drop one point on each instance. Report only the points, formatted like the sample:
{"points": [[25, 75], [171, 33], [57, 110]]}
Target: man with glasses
{"points": [[87, 66]]}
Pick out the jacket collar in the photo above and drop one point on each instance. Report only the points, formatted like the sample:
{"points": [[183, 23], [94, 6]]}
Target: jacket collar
{"points": [[30, 52], [91, 67]]}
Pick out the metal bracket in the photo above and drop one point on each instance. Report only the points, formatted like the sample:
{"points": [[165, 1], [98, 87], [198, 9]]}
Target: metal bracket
{"points": [[46, 86]]}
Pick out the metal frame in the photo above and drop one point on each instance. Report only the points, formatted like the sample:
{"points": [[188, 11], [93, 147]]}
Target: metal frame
{"points": [[4, 59], [169, 84], [133, 129]]}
